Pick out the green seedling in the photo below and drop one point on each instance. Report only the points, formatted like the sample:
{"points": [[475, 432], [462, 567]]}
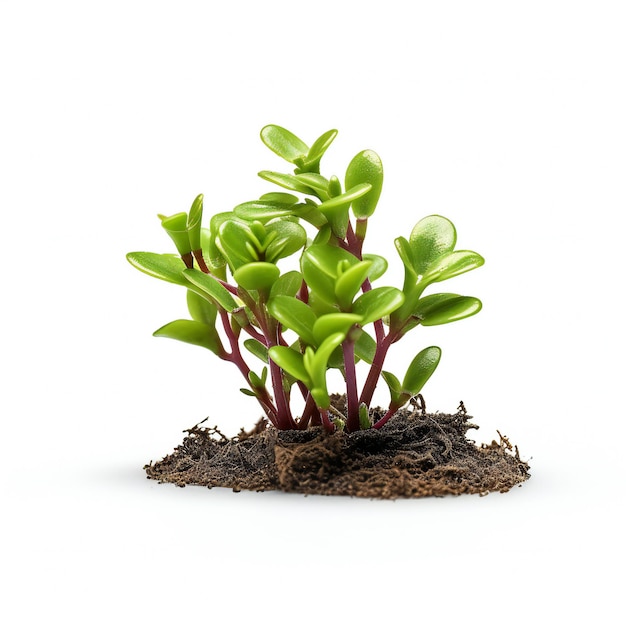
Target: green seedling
{"points": [[325, 315]]}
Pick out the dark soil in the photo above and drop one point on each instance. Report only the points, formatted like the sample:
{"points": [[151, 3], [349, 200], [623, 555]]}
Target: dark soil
{"points": [[413, 455]]}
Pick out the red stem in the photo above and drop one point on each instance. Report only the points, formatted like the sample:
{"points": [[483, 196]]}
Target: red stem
{"points": [[352, 396]]}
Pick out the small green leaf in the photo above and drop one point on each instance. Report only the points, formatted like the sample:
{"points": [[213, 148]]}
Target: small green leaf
{"points": [[453, 264], [319, 147], [364, 417], [376, 303], [295, 315], [336, 209], [443, 308], [284, 143], [176, 227], [262, 210], [365, 167], [286, 238], [420, 370], [333, 323], [287, 285], [395, 388], [379, 265], [319, 267], [288, 181], [195, 333], [212, 287], [201, 309], [194, 223], [349, 283], [167, 267], [431, 238], [258, 276], [365, 347], [290, 361], [237, 243], [406, 255], [316, 182], [257, 348], [247, 392]]}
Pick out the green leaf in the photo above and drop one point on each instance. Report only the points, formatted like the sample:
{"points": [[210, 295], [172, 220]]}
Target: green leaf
{"points": [[262, 210], [194, 223], [395, 388], [257, 348], [317, 364], [316, 182], [287, 285], [376, 303], [453, 264], [365, 167], [319, 147], [238, 243], [321, 267], [336, 209], [258, 276], [195, 333], [201, 309], [432, 238], [167, 267], [290, 361], [420, 370], [176, 227], [284, 143], [295, 315], [288, 181], [212, 287], [443, 308], [247, 392], [349, 283], [406, 255], [379, 265], [286, 238], [365, 347], [333, 323]]}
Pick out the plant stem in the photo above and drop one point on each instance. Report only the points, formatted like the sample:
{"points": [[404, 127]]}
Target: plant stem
{"points": [[328, 425], [384, 419], [352, 397], [375, 370]]}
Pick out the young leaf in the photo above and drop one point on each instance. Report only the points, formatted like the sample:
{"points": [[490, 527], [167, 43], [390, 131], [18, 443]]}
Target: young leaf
{"points": [[295, 315], [319, 268], [316, 182], [291, 361], [212, 287], [420, 370], [443, 308], [167, 267], [333, 323], [201, 309], [194, 223], [395, 388], [376, 303], [286, 238], [288, 181], [431, 238], [379, 265], [319, 147], [365, 167], [287, 285], [406, 255], [195, 333], [176, 227], [284, 143], [349, 283], [257, 348], [238, 243], [259, 276]]}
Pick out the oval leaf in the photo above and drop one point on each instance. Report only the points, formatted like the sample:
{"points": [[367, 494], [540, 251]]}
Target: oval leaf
{"points": [[295, 315], [195, 333], [284, 143], [365, 167], [375, 304], [287, 285], [257, 348], [290, 361], [431, 238], [201, 309], [349, 283], [420, 370], [454, 264], [212, 287], [168, 267], [333, 323], [286, 238], [288, 181], [443, 308], [319, 147], [258, 276], [262, 210], [379, 266]]}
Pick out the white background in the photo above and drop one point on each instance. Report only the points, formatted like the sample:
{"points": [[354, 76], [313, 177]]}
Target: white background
{"points": [[507, 117]]}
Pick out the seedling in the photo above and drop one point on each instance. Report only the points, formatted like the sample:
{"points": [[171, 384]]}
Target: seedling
{"points": [[329, 313]]}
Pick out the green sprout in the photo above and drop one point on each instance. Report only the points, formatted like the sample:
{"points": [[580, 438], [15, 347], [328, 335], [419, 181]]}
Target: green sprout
{"points": [[327, 314]]}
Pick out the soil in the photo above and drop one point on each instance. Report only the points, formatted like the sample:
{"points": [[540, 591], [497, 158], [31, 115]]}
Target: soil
{"points": [[415, 454]]}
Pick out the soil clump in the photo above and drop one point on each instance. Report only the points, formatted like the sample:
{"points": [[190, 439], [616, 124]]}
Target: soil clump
{"points": [[415, 454]]}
